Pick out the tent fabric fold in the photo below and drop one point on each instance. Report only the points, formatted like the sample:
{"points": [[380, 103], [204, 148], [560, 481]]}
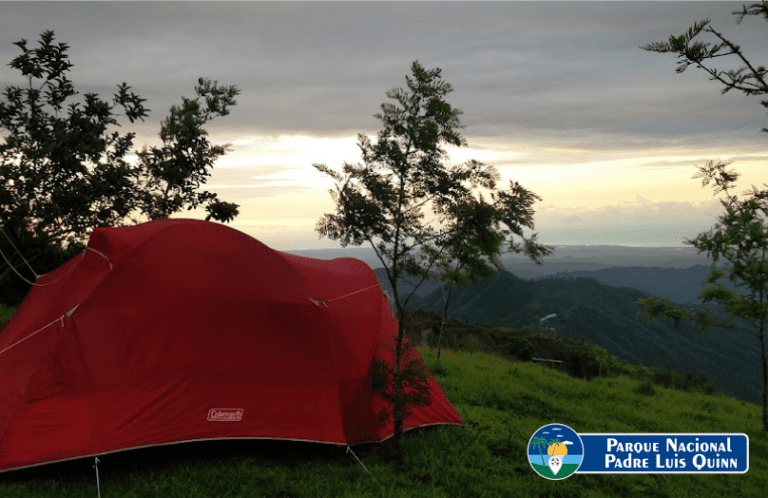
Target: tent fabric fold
{"points": [[180, 330]]}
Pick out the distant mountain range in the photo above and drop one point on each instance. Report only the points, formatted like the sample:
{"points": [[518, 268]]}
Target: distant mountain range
{"points": [[565, 258], [589, 308], [682, 285], [674, 272]]}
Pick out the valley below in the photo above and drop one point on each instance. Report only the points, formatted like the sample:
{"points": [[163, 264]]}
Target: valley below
{"points": [[598, 303]]}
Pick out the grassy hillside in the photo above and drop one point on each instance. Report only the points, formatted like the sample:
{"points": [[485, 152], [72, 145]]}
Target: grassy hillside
{"points": [[502, 400]]}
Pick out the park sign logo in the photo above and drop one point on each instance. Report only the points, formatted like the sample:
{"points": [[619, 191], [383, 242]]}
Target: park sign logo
{"points": [[635, 453], [563, 448]]}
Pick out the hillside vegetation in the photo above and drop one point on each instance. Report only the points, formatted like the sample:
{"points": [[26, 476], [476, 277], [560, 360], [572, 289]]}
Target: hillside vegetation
{"points": [[607, 316]]}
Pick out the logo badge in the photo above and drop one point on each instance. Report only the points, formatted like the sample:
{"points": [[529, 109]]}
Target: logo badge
{"points": [[225, 414], [555, 451]]}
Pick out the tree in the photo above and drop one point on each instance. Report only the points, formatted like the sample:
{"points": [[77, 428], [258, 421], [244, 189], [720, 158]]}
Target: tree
{"points": [[741, 237], [385, 201], [538, 444], [62, 175], [696, 53], [461, 263]]}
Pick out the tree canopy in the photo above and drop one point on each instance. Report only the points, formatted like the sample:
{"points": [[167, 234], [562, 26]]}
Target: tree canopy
{"points": [[63, 174]]}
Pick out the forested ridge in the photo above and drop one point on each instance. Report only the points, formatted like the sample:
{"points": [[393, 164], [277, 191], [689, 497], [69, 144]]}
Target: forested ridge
{"points": [[606, 315]]}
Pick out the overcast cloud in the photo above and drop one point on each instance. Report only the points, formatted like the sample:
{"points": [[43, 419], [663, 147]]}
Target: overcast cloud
{"points": [[559, 96]]}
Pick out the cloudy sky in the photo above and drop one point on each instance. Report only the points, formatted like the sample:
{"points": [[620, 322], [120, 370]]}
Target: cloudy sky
{"points": [[558, 96]]}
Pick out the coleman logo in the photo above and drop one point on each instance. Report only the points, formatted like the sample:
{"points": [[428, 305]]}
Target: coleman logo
{"points": [[225, 414]]}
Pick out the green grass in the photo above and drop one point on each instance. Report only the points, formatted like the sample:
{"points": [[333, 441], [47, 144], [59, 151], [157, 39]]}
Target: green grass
{"points": [[502, 404], [502, 399]]}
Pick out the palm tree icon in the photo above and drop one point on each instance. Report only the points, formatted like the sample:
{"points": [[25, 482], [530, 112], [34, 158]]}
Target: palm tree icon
{"points": [[539, 442]]}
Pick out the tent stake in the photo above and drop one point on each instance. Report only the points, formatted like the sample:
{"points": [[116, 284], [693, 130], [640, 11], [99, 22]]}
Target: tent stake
{"points": [[96, 466], [349, 450]]}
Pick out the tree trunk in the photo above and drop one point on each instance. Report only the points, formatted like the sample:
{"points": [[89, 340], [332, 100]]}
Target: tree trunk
{"points": [[445, 315], [439, 339], [398, 408], [765, 379]]}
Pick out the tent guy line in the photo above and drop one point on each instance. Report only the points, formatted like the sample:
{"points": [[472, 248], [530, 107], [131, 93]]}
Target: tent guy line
{"points": [[111, 266], [325, 303], [60, 319], [22, 257], [37, 275], [69, 313]]}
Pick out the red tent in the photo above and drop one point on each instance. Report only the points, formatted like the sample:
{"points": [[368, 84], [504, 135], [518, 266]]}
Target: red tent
{"points": [[183, 330]]}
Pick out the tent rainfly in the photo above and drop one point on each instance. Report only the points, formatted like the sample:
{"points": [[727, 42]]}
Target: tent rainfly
{"points": [[183, 330]]}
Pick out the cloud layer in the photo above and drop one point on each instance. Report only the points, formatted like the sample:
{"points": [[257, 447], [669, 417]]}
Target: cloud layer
{"points": [[558, 96]]}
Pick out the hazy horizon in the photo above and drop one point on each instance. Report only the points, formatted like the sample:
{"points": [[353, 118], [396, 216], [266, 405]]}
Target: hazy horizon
{"points": [[566, 258]]}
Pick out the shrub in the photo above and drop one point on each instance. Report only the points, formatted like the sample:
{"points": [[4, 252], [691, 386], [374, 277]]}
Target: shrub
{"points": [[520, 347], [646, 388], [472, 343], [606, 362], [710, 388], [664, 377], [581, 361]]}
